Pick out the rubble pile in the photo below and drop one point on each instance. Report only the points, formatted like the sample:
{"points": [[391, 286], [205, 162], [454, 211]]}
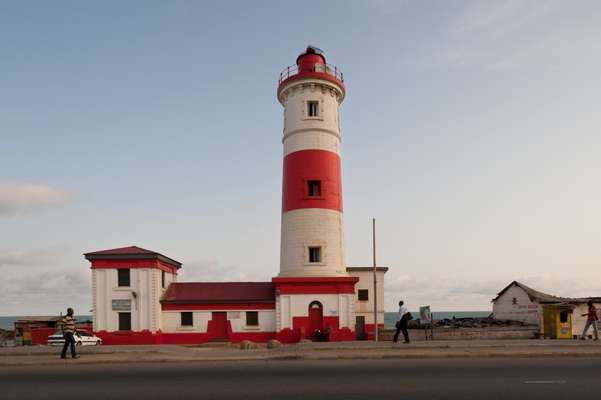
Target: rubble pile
{"points": [[6, 337], [487, 322]]}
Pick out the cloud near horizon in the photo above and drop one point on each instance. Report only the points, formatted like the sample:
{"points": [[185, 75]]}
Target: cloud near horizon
{"points": [[41, 282], [211, 270], [17, 198]]}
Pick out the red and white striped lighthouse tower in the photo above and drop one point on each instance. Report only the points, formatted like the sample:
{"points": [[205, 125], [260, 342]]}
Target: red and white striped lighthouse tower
{"points": [[314, 290], [312, 241]]}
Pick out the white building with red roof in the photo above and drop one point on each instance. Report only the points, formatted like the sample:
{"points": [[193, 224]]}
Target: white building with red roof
{"points": [[136, 296]]}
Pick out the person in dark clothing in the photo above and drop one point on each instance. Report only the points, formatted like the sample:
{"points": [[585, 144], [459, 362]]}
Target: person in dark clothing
{"points": [[401, 325], [68, 328]]}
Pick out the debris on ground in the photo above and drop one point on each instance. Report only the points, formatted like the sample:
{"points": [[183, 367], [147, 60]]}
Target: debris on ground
{"points": [[468, 322], [247, 345], [7, 338]]}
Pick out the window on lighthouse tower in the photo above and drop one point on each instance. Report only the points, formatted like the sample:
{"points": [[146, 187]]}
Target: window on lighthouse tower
{"points": [[314, 254], [314, 188], [313, 108]]}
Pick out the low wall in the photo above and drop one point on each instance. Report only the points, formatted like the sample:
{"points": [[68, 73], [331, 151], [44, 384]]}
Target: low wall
{"points": [[490, 333]]}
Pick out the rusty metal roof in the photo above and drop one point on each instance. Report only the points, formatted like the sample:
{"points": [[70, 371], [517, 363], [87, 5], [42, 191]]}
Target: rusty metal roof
{"points": [[219, 292], [130, 252], [541, 297]]}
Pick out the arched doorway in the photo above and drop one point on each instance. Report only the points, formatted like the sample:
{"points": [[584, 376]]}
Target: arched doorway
{"points": [[315, 317]]}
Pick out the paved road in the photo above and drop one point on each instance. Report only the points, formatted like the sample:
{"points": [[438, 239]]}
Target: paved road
{"points": [[353, 379]]}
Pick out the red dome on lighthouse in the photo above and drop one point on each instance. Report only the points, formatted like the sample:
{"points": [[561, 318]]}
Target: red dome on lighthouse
{"points": [[311, 64], [306, 61]]}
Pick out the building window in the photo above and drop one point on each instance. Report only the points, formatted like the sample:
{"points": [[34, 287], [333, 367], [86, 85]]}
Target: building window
{"points": [[252, 318], [187, 319], [123, 277], [514, 301], [363, 295], [124, 321], [314, 254], [163, 279], [314, 188], [313, 108]]}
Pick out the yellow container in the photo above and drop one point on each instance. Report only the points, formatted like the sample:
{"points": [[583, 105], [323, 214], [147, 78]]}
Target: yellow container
{"points": [[26, 338]]}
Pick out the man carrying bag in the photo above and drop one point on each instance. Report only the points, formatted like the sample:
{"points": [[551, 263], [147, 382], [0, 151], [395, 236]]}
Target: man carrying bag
{"points": [[401, 325]]}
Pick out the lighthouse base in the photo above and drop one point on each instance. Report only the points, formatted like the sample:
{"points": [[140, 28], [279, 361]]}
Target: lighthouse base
{"points": [[320, 309]]}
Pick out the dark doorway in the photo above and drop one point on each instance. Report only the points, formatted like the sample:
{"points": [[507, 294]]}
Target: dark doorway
{"points": [[360, 327], [315, 317], [124, 321]]}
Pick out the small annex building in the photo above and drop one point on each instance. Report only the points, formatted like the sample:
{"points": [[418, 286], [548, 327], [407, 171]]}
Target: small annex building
{"points": [[557, 317]]}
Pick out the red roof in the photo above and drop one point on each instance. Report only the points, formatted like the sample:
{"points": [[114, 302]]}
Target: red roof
{"points": [[123, 250], [130, 252], [220, 292]]}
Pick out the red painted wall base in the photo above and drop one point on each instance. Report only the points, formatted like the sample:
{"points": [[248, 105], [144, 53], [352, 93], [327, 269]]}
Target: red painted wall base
{"points": [[146, 337], [369, 329]]}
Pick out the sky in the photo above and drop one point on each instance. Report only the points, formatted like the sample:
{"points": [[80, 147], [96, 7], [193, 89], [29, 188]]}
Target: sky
{"points": [[471, 132]]}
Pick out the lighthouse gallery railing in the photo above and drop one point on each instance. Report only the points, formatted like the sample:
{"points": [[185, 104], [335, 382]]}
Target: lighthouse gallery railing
{"points": [[323, 68]]}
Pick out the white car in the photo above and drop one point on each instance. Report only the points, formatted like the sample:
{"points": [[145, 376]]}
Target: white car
{"points": [[82, 338]]}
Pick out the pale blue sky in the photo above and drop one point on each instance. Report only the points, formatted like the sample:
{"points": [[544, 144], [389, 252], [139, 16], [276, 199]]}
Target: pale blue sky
{"points": [[471, 131]]}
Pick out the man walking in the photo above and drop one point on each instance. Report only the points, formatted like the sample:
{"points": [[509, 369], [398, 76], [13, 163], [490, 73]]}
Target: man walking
{"points": [[68, 328], [591, 320], [401, 325]]}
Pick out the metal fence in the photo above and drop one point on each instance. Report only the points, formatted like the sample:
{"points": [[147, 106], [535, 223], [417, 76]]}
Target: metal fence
{"points": [[323, 68]]}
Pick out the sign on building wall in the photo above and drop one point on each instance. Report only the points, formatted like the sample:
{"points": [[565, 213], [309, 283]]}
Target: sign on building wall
{"points": [[121, 305]]}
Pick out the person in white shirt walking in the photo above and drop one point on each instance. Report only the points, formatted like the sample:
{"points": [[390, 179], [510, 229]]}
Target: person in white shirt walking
{"points": [[401, 325]]}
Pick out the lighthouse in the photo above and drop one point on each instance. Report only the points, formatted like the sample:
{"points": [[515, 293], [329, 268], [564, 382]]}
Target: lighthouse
{"points": [[312, 232], [314, 290]]}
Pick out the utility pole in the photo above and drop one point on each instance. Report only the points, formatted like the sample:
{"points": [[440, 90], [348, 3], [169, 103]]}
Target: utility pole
{"points": [[375, 283]]}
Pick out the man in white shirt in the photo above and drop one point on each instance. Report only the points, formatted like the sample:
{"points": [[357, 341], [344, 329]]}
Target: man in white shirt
{"points": [[401, 325]]}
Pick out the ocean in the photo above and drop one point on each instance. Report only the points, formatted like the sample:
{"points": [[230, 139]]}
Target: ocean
{"points": [[389, 317]]}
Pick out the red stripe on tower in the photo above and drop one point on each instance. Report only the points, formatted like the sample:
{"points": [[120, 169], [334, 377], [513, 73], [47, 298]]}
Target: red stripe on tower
{"points": [[312, 180]]}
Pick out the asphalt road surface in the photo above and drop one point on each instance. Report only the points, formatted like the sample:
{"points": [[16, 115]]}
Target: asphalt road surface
{"points": [[550, 378]]}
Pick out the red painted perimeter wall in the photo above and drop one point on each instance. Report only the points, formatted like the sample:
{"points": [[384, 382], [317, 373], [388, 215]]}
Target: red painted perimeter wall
{"points": [[39, 336], [147, 337], [304, 165], [337, 334], [369, 329]]}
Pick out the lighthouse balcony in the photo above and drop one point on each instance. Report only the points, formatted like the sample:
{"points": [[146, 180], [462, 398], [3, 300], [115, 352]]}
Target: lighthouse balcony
{"points": [[323, 71]]}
